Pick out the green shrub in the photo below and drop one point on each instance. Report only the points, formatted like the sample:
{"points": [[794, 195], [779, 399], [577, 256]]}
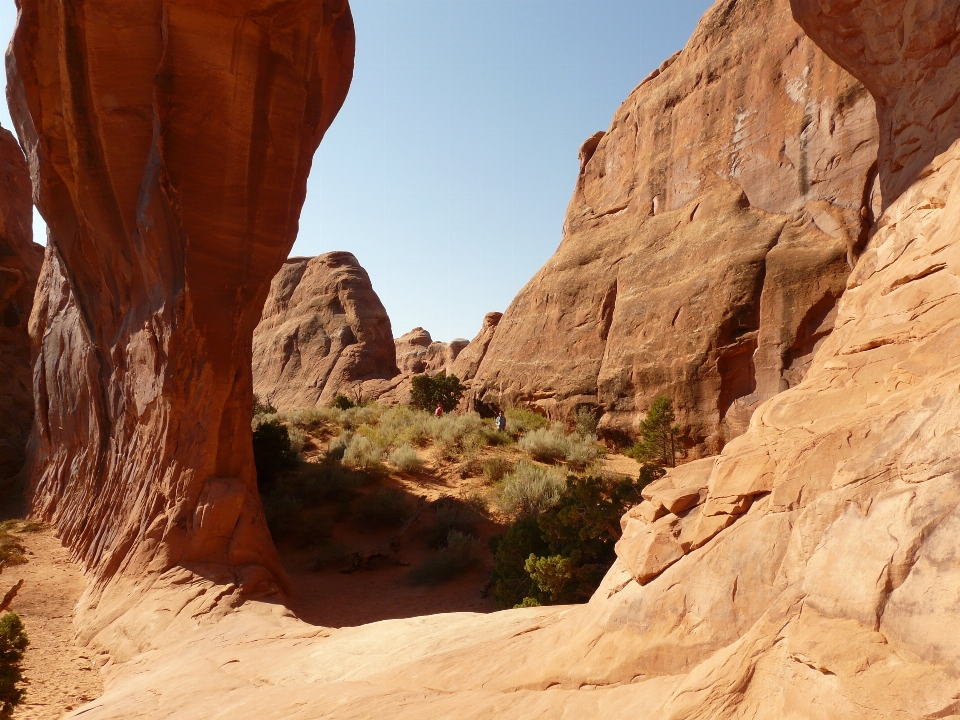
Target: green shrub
{"points": [[562, 554], [13, 643], [546, 445], [462, 551], [405, 459], [11, 549], [451, 514], [444, 390], [338, 445], [342, 402], [298, 438], [582, 451], [363, 453], [530, 489], [272, 451], [382, 508], [495, 468], [585, 420], [522, 420], [331, 553]]}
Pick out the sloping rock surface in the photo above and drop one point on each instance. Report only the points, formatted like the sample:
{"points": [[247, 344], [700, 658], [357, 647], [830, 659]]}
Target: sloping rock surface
{"points": [[20, 260], [418, 353], [708, 240], [170, 143], [324, 332]]}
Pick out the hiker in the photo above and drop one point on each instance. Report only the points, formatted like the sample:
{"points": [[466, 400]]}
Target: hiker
{"points": [[439, 411], [501, 422]]}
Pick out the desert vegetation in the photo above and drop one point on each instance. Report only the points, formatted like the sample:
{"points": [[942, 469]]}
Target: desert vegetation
{"points": [[513, 502]]}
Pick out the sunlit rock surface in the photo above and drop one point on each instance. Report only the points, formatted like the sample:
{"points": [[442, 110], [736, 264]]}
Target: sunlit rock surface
{"points": [[709, 237]]}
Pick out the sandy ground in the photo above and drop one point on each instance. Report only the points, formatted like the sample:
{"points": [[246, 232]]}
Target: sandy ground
{"points": [[58, 675]]}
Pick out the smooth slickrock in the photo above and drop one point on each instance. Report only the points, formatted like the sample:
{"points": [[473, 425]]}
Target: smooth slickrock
{"points": [[170, 143], [468, 361], [324, 332], [709, 237], [20, 260]]}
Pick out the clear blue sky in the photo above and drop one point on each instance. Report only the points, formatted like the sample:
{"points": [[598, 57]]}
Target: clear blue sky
{"points": [[448, 171]]}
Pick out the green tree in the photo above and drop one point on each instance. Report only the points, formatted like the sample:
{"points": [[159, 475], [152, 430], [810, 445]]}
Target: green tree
{"points": [[13, 642], [443, 390], [272, 452], [659, 436], [562, 554]]}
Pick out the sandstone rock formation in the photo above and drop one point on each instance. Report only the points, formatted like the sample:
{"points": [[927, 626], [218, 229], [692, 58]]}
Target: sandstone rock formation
{"points": [[740, 170], [417, 353], [170, 144], [468, 361], [20, 260], [324, 332]]}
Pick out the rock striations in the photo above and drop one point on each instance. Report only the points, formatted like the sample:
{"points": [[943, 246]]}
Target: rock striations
{"points": [[20, 260], [740, 170], [170, 143], [324, 332], [809, 571]]}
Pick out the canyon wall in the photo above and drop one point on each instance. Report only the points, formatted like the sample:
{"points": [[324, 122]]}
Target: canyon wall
{"points": [[738, 171], [20, 260], [324, 332], [170, 144]]}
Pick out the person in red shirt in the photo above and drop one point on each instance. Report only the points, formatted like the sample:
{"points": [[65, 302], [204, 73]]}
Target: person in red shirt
{"points": [[439, 410]]}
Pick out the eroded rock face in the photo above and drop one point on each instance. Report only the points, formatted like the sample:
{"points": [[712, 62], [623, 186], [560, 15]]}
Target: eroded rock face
{"points": [[468, 361], [737, 173], [172, 184], [20, 260], [417, 353], [324, 332]]}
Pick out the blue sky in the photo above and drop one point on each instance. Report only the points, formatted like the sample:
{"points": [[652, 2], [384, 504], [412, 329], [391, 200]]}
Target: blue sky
{"points": [[448, 171]]}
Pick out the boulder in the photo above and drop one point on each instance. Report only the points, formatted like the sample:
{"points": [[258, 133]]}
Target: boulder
{"points": [[170, 144], [324, 332], [709, 237], [20, 260]]}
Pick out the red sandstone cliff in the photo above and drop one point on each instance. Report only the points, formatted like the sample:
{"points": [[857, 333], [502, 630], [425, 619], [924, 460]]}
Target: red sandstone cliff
{"points": [[20, 260], [739, 171], [323, 333], [171, 143]]}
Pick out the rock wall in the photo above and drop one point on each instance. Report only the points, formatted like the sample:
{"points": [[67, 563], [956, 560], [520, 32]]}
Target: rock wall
{"points": [[170, 144], [738, 171], [418, 353], [324, 332], [20, 260]]}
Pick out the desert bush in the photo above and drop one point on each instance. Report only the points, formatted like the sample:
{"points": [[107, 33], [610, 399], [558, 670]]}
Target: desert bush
{"points": [[330, 553], [451, 514], [272, 450], [342, 402], [382, 508], [298, 438], [495, 468], [13, 643], [338, 445], [659, 436], [262, 407], [11, 549], [585, 420], [562, 554], [358, 415], [310, 417], [522, 420], [545, 444], [475, 499], [461, 552], [405, 459], [530, 489], [582, 451], [406, 425], [363, 453], [444, 390]]}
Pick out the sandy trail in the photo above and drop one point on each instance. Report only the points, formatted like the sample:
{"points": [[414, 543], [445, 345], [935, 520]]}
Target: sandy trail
{"points": [[58, 675]]}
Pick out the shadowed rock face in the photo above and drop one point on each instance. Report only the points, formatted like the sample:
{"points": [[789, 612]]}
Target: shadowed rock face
{"points": [[170, 142], [709, 237], [20, 260], [323, 333]]}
